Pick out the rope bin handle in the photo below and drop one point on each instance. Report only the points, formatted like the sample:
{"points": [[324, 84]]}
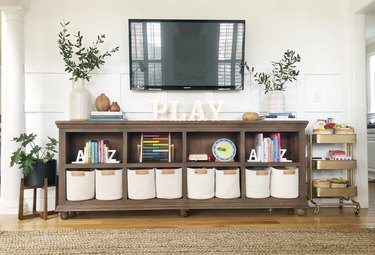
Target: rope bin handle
{"points": [[262, 172], [142, 171], [230, 171], [167, 171], [200, 171], [107, 172], [77, 173]]}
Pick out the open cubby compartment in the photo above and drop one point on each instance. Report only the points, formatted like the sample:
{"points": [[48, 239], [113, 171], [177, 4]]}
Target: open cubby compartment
{"points": [[289, 141], [134, 140], [202, 142], [76, 141]]}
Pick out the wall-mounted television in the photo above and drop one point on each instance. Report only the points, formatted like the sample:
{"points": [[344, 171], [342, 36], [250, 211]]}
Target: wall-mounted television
{"points": [[186, 54]]}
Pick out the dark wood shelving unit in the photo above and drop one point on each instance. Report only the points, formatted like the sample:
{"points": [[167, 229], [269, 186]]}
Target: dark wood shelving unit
{"points": [[187, 137]]}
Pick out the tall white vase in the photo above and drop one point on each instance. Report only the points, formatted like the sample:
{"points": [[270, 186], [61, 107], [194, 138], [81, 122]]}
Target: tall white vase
{"points": [[80, 101], [276, 101]]}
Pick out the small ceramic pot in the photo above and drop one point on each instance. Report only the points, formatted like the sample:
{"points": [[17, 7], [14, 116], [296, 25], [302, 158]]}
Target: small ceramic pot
{"points": [[114, 107], [102, 103]]}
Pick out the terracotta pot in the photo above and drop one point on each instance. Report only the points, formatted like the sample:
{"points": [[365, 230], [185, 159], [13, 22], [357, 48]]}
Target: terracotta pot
{"points": [[102, 103], [114, 107]]}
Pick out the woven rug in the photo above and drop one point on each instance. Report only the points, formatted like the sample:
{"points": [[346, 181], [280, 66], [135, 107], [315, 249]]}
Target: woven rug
{"points": [[190, 241]]}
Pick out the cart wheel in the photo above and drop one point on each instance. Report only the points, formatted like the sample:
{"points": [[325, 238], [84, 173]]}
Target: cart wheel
{"points": [[317, 210], [341, 201], [64, 215], [184, 213], [300, 212], [357, 210]]}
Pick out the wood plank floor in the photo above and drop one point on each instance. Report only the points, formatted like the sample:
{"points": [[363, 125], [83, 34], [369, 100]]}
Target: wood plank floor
{"points": [[328, 217]]}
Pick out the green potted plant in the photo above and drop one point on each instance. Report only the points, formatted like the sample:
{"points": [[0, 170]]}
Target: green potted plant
{"points": [[80, 61], [36, 162], [283, 71]]}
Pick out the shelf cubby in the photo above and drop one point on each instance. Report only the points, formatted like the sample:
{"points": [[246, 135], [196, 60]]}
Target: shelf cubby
{"points": [[76, 141]]}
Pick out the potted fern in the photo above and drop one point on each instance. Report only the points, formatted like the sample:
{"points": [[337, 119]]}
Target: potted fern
{"points": [[80, 61], [36, 162], [283, 72]]}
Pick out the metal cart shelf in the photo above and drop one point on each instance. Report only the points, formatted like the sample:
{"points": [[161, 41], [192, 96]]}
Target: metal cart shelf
{"points": [[349, 166]]}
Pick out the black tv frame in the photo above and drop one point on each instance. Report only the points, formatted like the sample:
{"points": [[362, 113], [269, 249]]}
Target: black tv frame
{"points": [[179, 87]]}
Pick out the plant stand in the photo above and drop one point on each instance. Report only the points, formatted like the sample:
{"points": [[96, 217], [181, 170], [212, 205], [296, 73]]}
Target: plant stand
{"points": [[44, 214]]}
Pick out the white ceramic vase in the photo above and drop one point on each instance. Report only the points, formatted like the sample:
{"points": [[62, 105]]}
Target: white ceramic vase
{"points": [[80, 101], [276, 101]]}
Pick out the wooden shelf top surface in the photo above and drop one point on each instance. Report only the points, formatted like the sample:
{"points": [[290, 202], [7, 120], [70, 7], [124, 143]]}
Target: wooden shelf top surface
{"points": [[165, 126]]}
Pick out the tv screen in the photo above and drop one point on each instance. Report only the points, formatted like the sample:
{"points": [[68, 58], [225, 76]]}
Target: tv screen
{"points": [[186, 54]]}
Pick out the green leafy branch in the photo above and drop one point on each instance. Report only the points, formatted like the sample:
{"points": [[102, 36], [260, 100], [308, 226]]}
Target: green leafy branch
{"points": [[283, 71], [26, 160], [80, 60]]}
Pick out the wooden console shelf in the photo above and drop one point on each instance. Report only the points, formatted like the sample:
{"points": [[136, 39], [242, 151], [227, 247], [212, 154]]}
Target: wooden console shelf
{"points": [[188, 137]]}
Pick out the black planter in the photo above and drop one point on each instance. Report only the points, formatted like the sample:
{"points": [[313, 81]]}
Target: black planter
{"points": [[41, 170]]}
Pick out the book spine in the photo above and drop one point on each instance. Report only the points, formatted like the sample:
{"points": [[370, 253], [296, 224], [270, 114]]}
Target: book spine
{"points": [[101, 151], [281, 114], [105, 153], [260, 143], [94, 113], [274, 149], [96, 152], [105, 117], [93, 152]]}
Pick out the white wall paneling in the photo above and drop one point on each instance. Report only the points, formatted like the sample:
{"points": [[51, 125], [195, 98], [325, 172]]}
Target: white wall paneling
{"points": [[320, 31], [324, 93]]}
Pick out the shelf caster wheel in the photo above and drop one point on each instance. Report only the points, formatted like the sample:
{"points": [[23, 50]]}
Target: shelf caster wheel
{"points": [[291, 211], [357, 210], [317, 210], [64, 215], [300, 212], [73, 214], [184, 213]]}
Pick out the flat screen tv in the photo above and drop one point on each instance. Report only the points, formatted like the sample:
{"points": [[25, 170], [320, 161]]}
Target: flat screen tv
{"points": [[186, 54]]}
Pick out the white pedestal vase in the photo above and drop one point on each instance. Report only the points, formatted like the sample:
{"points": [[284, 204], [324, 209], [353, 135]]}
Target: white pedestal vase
{"points": [[276, 101], [80, 101]]}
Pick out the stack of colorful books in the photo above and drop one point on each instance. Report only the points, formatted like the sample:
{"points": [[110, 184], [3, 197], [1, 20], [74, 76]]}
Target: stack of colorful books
{"points": [[155, 147], [107, 116], [268, 149], [97, 151]]}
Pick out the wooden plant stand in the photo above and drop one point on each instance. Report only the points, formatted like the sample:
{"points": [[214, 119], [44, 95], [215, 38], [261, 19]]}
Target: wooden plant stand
{"points": [[44, 214]]}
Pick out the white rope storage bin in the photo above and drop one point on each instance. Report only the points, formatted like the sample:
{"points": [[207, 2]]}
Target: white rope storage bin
{"points": [[80, 185], [284, 182], [227, 184], [258, 183], [168, 183], [200, 183], [141, 183], [108, 184]]}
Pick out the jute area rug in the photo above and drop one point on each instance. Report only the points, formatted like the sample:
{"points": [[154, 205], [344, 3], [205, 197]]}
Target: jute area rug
{"points": [[190, 241]]}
